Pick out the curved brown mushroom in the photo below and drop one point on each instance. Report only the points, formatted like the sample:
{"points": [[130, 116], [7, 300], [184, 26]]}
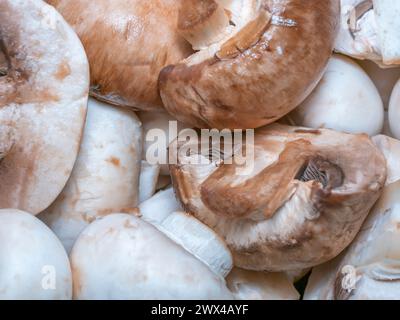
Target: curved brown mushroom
{"points": [[44, 82], [272, 55], [127, 42], [301, 203]]}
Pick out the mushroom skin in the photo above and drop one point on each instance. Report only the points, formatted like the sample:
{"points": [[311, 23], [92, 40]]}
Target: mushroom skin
{"points": [[345, 100], [31, 258], [137, 270], [105, 177], [127, 43], [369, 268], [263, 69], [394, 111], [43, 98], [391, 150], [300, 204]]}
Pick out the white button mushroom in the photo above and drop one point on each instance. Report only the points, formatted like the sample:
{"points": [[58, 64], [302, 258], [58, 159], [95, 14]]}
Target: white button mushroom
{"points": [[147, 264], [345, 100], [148, 180], [105, 178], [394, 111], [369, 269], [253, 285], [370, 30], [33, 262], [43, 95]]}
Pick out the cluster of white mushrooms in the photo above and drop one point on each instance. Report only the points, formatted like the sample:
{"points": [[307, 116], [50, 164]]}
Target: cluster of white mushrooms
{"points": [[85, 215]]}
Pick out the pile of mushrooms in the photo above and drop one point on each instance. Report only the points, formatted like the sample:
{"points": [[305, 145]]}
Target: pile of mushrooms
{"points": [[108, 197]]}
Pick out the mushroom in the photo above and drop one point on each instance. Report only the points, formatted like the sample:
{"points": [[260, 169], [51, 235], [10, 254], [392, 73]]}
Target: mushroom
{"points": [[148, 180], [252, 285], [370, 31], [271, 56], [345, 100], [196, 259], [391, 150], [127, 42], [369, 269], [394, 111], [299, 203], [159, 130], [44, 81], [105, 178], [33, 263]]}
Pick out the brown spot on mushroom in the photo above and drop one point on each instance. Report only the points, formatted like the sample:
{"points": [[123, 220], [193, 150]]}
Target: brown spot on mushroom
{"points": [[64, 70], [115, 161]]}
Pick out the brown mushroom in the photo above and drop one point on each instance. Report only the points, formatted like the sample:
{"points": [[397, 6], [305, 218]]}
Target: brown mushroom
{"points": [[271, 56], [44, 83], [127, 42], [301, 202]]}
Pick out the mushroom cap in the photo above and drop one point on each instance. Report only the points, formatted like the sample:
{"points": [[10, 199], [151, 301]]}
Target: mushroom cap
{"points": [[253, 285], [369, 268], [268, 64], [149, 175], [394, 111], [127, 42], [345, 100], [105, 178], [370, 31], [300, 203], [43, 97], [31, 258], [391, 150], [147, 264]]}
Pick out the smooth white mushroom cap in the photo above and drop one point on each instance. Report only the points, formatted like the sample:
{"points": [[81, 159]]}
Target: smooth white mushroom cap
{"points": [[147, 264], [105, 178], [33, 262], [345, 100], [149, 176], [253, 285], [370, 268], [394, 111], [43, 99]]}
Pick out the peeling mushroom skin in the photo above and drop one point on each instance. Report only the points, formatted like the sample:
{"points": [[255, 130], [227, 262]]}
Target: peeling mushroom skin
{"points": [[33, 263], [105, 177], [43, 98], [370, 268], [301, 203], [263, 69], [127, 43], [147, 264]]}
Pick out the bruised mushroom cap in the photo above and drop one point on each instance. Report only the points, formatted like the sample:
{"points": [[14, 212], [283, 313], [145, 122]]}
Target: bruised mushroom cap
{"points": [[394, 111], [370, 267], [253, 285], [345, 100], [273, 56], [105, 177], [127, 42], [147, 264], [43, 97], [33, 263], [300, 203]]}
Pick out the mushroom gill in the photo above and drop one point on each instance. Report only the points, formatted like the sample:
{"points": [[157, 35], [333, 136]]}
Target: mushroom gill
{"points": [[297, 203]]}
